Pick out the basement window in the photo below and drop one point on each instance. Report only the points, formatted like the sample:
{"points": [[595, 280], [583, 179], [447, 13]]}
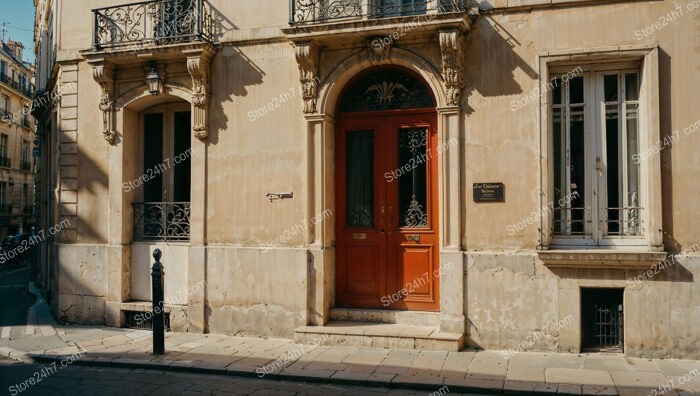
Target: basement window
{"points": [[602, 320], [144, 320]]}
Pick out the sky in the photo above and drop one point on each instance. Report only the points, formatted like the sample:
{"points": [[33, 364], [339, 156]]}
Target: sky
{"points": [[17, 24]]}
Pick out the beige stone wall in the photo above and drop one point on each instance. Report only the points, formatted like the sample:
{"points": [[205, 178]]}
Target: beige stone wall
{"points": [[508, 292]]}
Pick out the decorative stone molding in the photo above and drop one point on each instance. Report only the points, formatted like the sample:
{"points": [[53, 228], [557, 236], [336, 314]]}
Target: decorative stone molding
{"points": [[198, 67], [307, 59], [452, 49], [378, 49], [103, 73]]}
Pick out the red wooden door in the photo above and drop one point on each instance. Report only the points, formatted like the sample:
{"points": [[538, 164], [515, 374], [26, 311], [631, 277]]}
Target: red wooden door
{"points": [[386, 201]]}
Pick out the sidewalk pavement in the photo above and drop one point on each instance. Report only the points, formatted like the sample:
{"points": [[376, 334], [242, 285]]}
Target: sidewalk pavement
{"points": [[45, 341]]}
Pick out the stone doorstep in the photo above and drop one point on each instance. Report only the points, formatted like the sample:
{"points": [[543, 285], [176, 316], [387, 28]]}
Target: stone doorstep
{"points": [[379, 335], [415, 318]]}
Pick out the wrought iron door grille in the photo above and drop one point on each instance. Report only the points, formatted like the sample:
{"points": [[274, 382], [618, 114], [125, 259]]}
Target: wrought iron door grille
{"points": [[161, 221], [157, 22], [318, 11], [602, 315]]}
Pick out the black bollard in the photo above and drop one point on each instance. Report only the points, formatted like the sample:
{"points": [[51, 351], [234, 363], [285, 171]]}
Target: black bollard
{"points": [[158, 314]]}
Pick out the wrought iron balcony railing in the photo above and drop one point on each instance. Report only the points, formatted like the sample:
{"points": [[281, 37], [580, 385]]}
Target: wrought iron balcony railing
{"points": [[157, 22], [317, 11], [161, 221], [26, 89]]}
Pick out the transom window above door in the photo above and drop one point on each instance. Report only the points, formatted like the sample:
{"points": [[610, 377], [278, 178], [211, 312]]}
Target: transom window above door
{"points": [[596, 180]]}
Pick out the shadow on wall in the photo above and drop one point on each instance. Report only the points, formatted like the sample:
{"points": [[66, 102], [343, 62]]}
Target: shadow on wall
{"points": [[237, 72], [665, 106], [491, 62], [95, 181], [220, 24]]}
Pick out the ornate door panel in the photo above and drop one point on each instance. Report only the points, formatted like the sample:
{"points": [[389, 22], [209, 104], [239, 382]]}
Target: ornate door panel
{"points": [[386, 229], [412, 233]]}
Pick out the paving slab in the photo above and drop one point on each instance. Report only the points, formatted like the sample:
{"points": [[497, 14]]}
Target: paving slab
{"points": [[578, 377]]}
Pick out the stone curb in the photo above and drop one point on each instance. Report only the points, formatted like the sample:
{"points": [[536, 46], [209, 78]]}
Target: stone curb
{"points": [[16, 354], [286, 377]]}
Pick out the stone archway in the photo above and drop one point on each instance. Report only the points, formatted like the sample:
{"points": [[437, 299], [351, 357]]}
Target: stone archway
{"points": [[320, 101]]}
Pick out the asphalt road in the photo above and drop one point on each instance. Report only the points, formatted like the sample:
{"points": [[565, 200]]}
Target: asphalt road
{"points": [[14, 297], [75, 380]]}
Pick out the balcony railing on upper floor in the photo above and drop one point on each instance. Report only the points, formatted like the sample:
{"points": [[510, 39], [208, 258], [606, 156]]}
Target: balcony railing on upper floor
{"points": [[158, 22], [304, 12], [27, 89]]}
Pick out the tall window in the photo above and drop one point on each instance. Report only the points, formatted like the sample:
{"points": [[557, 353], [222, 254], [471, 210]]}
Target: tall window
{"points": [[3, 71], [4, 161], [165, 211], [5, 104], [595, 125], [26, 165], [3, 197]]}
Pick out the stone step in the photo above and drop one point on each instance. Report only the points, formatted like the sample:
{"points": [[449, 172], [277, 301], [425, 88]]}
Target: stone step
{"points": [[414, 318], [379, 335]]}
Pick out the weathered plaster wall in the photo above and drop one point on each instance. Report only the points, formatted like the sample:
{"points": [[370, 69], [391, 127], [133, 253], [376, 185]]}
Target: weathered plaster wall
{"points": [[255, 293]]}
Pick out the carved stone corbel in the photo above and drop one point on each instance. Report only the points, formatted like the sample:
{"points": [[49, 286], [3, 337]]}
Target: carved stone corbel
{"points": [[198, 67], [103, 73], [378, 49], [307, 59], [452, 50]]}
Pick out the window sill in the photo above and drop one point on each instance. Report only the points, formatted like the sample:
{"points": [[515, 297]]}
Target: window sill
{"points": [[600, 258]]}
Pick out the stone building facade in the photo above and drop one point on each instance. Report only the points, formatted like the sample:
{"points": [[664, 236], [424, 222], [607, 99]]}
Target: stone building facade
{"points": [[16, 140], [414, 174]]}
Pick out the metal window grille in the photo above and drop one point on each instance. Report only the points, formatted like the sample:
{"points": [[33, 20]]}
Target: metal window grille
{"points": [[602, 313]]}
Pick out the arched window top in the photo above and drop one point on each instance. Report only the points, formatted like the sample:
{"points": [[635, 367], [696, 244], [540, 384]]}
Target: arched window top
{"points": [[387, 89]]}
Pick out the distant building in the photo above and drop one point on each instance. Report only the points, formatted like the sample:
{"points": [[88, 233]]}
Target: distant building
{"points": [[516, 175], [16, 140]]}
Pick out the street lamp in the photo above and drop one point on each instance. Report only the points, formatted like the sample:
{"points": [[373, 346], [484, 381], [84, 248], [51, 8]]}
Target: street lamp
{"points": [[154, 82]]}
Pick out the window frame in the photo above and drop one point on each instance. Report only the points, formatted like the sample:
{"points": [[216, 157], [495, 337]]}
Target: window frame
{"points": [[644, 60], [168, 150]]}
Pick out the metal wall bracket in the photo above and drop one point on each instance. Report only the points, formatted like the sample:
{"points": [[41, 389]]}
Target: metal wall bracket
{"points": [[279, 195]]}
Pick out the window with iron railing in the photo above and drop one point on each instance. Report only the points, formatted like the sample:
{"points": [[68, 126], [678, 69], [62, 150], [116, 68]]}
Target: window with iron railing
{"points": [[155, 22], [595, 141], [164, 214]]}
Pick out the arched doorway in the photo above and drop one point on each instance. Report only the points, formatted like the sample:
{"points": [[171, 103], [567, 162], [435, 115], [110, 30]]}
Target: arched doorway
{"points": [[387, 254]]}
